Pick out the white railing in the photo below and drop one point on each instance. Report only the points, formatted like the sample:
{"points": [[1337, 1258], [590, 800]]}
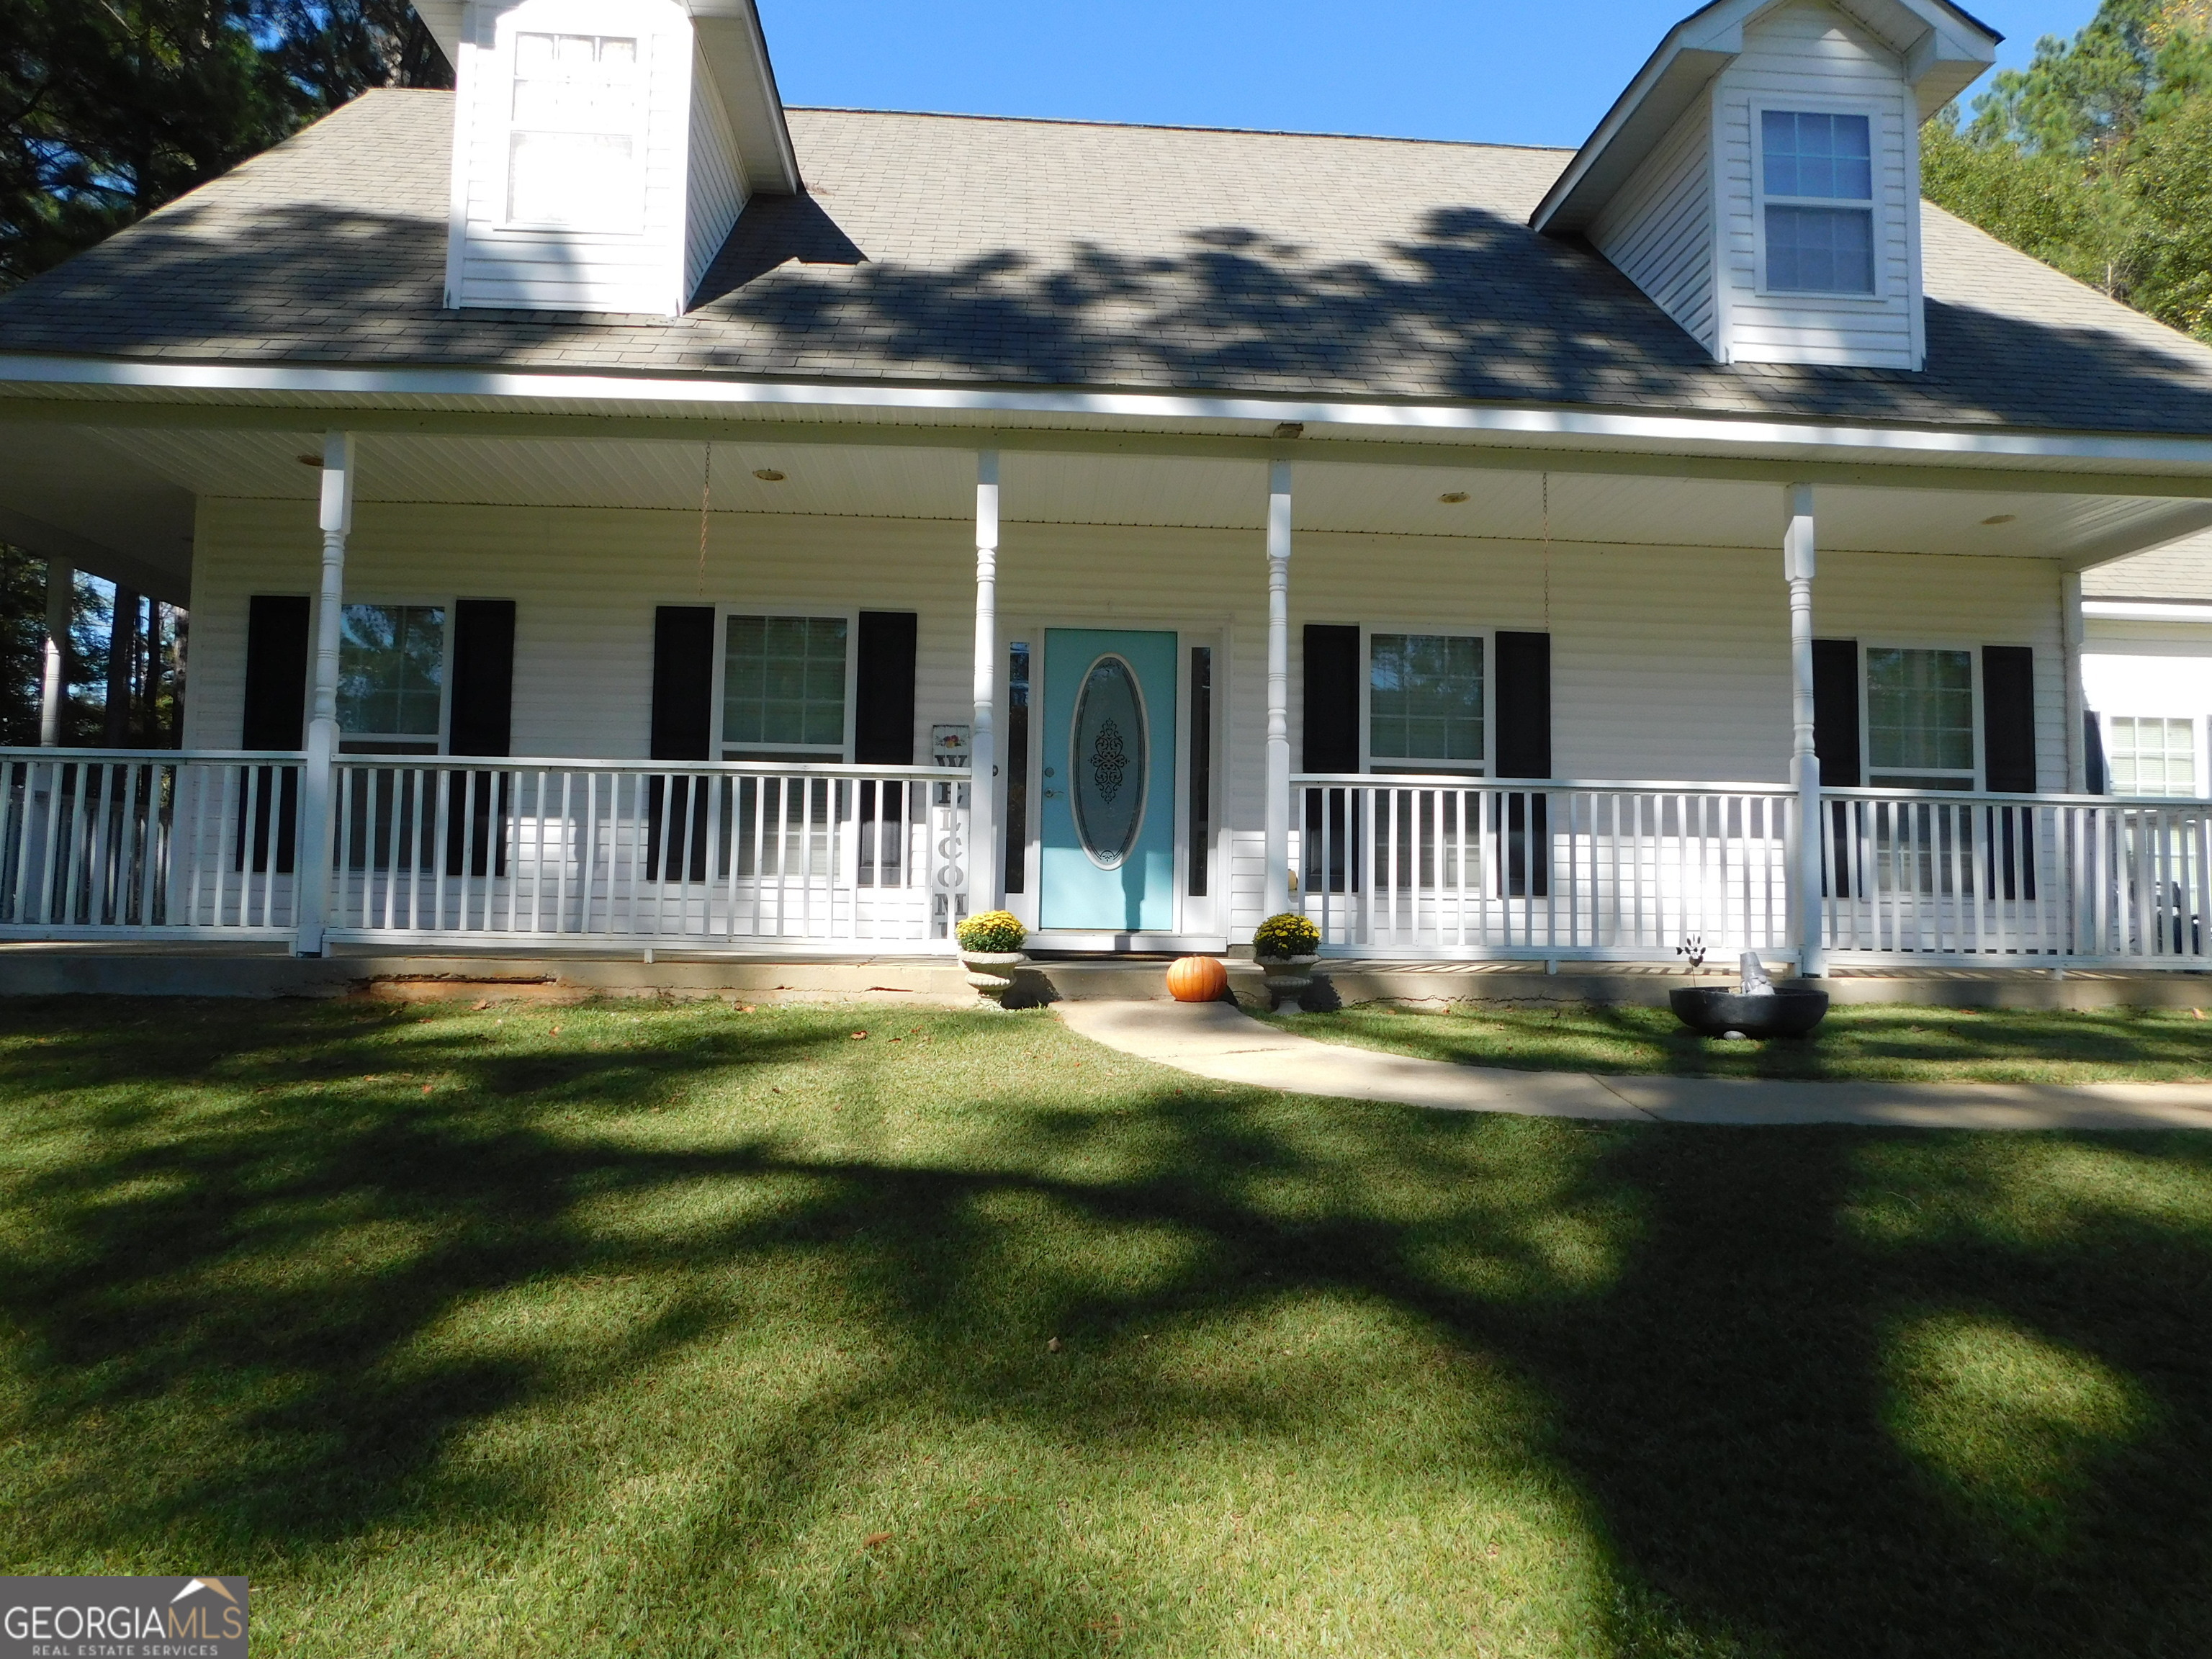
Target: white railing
{"points": [[806, 856], [2016, 880], [1426, 866], [97, 841]]}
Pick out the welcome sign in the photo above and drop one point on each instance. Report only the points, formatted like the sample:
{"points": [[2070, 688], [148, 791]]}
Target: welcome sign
{"points": [[123, 1618]]}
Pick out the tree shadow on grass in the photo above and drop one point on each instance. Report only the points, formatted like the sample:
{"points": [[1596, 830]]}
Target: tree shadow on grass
{"points": [[282, 1326]]}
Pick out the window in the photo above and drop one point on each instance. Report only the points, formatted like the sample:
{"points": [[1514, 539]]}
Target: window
{"points": [[1920, 718], [573, 148], [392, 678], [784, 688], [2147, 756], [1425, 701], [1807, 162]]}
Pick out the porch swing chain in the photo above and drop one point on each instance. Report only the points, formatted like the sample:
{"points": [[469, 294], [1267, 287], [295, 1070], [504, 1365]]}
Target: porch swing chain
{"points": [[705, 492], [1547, 552]]}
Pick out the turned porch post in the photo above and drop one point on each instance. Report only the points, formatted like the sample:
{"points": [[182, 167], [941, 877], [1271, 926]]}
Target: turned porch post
{"points": [[311, 878], [2077, 699], [1797, 560], [984, 891], [53, 680], [1276, 894]]}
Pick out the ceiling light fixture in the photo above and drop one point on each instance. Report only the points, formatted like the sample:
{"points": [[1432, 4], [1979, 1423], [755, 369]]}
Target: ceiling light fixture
{"points": [[2001, 517], [768, 474], [1290, 428], [1452, 498], [308, 461]]}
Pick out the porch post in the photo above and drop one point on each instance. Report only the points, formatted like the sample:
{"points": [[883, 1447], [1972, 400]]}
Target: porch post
{"points": [[1276, 893], [983, 889], [311, 877], [54, 683], [2077, 699], [1797, 560]]}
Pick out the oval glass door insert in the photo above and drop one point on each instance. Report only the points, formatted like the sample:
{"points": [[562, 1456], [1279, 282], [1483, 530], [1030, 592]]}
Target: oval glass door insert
{"points": [[1106, 754]]}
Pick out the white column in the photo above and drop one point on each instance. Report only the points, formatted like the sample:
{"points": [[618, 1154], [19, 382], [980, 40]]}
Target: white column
{"points": [[1276, 892], [53, 682], [311, 877], [1797, 562], [984, 889], [2077, 699]]}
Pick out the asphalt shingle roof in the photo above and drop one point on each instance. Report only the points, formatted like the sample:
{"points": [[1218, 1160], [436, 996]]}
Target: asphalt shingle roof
{"points": [[1033, 253]]}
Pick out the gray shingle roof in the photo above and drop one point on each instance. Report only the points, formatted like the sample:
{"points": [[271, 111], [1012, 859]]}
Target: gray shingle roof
{"points": [[936, 248]]}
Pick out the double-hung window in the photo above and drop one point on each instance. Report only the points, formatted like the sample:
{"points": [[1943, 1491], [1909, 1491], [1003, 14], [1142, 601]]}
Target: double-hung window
{"points": [[574, 137], [1920, 718], [392, 678], [2150, 755], [787, 691], [1816, 174], [1424, 702]]}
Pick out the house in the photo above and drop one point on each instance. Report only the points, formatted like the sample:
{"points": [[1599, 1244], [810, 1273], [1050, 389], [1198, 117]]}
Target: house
{"points": [[2146, 671], [614, 506]]}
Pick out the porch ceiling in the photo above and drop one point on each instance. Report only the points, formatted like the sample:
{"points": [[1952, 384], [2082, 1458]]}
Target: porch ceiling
{"points": [[130, 491]]}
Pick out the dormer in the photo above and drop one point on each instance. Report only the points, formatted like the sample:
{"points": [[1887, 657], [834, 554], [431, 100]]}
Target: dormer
{"points": [[1761, 178], [602, 149]]}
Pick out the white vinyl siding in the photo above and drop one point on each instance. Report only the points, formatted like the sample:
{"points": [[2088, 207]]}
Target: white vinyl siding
{"points": [[501, 262], [716, 182], [1806, 56], [1666, 662], [1658, 229]]}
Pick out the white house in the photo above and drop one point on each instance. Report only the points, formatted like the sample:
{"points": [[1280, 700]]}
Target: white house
{"points": [[614, 506]]}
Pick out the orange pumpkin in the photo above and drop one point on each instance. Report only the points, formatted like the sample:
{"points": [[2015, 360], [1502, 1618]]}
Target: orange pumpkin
{"points": [[1198, 979]]}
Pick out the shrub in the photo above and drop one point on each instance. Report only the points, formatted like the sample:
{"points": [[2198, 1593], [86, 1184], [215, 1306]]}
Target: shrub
{"points": [[1286, 935], [992, 933]]}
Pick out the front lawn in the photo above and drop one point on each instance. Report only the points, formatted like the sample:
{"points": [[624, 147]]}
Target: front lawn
{"points": [[681, 1331], [1880, 1044]]}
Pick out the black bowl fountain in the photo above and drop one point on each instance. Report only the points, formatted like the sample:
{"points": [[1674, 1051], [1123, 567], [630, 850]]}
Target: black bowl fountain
{"points": [[1756, 1008]]}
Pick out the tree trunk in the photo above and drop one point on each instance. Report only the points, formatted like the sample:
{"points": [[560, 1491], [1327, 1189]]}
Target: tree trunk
{"points": [[122, 666]]}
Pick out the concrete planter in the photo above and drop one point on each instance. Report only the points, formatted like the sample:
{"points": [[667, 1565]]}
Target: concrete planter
{"points": [[1716, 1010], [992, 973], [1289, 978]]}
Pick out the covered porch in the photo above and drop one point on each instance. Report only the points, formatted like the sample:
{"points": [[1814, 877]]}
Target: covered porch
{"points": [[1614, 594]]}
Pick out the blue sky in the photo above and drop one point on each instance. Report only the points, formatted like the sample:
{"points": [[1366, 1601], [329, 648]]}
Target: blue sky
{"points": [[1529, 72]]}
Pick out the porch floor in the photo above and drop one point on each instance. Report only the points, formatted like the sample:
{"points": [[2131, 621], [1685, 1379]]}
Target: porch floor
{"points": [[581, 972]]}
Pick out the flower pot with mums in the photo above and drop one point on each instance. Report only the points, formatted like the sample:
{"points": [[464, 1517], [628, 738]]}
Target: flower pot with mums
{"points": [[1286, 947], [990, 950]]}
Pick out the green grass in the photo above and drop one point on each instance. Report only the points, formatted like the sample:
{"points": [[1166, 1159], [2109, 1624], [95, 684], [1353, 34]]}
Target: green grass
{"points": [[1880, 1045], [677, 1331]]}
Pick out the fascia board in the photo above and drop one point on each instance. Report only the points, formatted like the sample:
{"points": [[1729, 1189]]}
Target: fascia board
{"points": [[2181, 611], [735, 49], [2185, 457]]}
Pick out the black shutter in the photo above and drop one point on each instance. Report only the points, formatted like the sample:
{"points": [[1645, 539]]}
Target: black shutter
{"points": [[683, 682], [2093, 753], [275, 717], [276, 673], [683, 730], [483, 678], [2009, 719], [882, 716], [1523, 679], [1332, 697], [1835, 712]]}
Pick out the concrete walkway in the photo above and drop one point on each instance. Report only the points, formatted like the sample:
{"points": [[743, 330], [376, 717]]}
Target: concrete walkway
{"points": [[1215, 1040]]}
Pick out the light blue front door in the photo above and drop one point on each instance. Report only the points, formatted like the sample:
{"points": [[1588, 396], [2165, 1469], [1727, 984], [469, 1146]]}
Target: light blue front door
{"points": [[1107, 811]]}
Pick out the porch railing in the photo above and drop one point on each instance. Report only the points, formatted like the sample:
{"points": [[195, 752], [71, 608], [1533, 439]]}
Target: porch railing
{"points": [[97, 841], [1460, 867], [823, 856], [149, 844]]}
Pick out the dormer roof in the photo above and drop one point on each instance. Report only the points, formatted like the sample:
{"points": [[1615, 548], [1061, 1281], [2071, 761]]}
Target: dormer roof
{"points": [[735, 52], [1943, 48]]}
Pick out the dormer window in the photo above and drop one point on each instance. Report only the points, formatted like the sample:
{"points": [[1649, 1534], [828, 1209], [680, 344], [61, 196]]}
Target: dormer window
{"points": [[574, 144], [1816, 174]]}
